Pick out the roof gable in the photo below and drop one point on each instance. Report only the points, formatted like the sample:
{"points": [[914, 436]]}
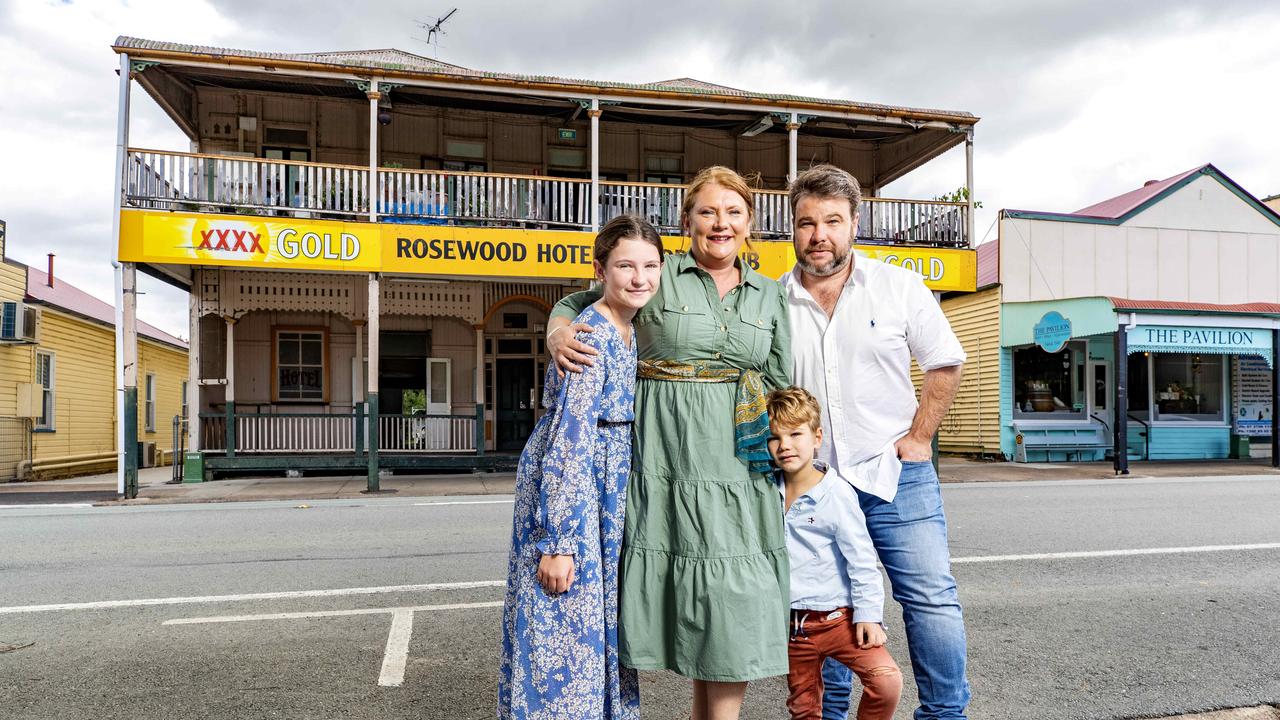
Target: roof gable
{"points": [[1127, 206], [387, 57], [1125, 203]]}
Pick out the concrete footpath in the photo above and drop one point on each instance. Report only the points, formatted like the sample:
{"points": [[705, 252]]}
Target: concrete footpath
{"points": [[154, 488]]}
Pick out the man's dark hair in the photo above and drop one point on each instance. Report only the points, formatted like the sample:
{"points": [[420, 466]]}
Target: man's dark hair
{"points": [[826, 181]]}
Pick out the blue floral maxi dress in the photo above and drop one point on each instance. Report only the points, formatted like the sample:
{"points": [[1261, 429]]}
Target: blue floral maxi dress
{"points": [[560, 654]]}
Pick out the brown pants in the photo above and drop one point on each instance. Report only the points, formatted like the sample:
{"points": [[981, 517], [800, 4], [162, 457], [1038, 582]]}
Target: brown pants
{"points": [[813, 640]]}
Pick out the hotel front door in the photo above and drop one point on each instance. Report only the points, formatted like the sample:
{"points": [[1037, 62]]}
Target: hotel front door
{"points": [[515, 403]]}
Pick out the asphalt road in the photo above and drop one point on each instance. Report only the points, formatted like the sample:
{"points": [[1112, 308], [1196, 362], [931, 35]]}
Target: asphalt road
{"points": [[1191, 623]]}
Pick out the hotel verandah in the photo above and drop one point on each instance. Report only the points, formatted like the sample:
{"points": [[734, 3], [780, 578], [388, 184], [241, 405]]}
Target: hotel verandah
{"points": [[372, 239]]}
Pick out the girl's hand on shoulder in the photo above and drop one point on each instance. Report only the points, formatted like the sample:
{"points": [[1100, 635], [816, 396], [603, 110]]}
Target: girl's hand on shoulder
{"points": [[555, 573], [568, 352], [869, 635]]}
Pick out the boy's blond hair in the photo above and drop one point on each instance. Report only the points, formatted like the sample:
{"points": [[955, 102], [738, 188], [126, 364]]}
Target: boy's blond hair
{"points": [[793, 407]]}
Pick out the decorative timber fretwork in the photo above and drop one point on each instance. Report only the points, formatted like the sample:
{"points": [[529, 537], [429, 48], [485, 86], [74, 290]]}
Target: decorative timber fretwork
{"points": [[229, 292], [453, 299], [232, 293], [550, 294]]}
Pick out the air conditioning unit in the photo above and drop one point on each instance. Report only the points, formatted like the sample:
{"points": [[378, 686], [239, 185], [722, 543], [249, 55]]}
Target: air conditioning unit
{"points": [[18, 322]]}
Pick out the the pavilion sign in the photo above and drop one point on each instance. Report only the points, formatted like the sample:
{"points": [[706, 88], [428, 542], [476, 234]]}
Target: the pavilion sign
{"points": [[1186, 339]]}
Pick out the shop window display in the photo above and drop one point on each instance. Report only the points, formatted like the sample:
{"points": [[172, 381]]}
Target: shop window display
{"points": [[1188, 387], [1049, 385]]}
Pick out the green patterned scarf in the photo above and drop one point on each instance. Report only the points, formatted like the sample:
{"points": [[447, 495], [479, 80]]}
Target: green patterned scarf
{"points": [[750, 417]]}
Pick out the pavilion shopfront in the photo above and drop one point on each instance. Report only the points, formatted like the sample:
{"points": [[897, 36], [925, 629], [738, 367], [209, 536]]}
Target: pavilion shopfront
{"points": [[1198, 383]]}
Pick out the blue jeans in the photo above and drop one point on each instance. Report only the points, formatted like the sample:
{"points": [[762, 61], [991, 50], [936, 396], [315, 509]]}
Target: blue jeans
{"points": [[910, 535]]}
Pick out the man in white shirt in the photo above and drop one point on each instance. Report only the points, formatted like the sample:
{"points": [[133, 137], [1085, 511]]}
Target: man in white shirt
{"points": [[856, 324]]}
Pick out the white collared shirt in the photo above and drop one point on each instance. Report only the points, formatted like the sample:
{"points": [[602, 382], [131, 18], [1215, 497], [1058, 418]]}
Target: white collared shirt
{"points": [[833, 562], [858, 365]]}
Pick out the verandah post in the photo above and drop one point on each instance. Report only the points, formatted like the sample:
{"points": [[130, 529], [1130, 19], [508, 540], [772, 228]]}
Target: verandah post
{"points": [[229, 389], [1120, 433], [1275, 397], [129, 299], [375, 297], [357, 408]]}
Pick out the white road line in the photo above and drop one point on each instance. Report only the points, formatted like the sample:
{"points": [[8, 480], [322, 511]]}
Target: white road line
{"points": [[337, 592], [1114, 553], [396, 655], [329, 613], [30, 506], [466, 502]]}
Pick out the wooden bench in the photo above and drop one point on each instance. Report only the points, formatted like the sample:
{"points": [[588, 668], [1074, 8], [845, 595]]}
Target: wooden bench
{"points": [[1072, 439]]}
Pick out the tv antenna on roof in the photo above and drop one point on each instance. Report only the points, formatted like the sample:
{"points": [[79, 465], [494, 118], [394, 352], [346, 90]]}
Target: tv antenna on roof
{"points": [[434, 29]]}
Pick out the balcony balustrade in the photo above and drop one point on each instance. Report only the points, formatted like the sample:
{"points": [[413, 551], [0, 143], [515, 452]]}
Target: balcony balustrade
{"points": [[227, 184]]}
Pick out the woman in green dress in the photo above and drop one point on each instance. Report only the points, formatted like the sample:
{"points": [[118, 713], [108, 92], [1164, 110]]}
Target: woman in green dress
{"points": [[704, 563]]}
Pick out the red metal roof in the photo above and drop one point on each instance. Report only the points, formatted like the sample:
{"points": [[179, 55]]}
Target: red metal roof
{"points": [[1120, 205], [988, 263], [68, 297], [1258, 308]]}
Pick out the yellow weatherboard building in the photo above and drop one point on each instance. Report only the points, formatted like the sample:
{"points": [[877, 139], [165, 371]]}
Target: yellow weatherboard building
{"points": [[57, 346], [372, 240]]}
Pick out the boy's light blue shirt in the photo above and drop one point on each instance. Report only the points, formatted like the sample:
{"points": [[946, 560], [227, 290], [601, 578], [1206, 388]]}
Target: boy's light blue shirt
{"points": [[833, 562]]}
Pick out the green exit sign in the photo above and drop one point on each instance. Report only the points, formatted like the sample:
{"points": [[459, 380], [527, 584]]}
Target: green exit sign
{"points": [[567, 134]]}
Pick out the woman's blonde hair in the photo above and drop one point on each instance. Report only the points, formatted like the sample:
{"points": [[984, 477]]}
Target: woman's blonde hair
{"points": [[793, 407], [724, 177]]}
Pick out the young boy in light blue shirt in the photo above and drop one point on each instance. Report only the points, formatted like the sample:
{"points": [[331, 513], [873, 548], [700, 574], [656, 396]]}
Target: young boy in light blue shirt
{"points": [[837, 596]]}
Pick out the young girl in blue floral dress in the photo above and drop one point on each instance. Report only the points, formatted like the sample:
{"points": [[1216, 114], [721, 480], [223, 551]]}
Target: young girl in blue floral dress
{"points": [[560, 620]]}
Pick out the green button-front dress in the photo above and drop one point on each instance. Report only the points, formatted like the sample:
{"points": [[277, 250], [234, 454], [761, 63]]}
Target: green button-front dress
{"points": [[704, 586]]}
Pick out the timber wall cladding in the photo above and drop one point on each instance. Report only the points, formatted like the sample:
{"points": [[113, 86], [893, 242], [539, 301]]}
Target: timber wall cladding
{"points": [[169, 365], [973, 423], [338, 130], [84, 397]]}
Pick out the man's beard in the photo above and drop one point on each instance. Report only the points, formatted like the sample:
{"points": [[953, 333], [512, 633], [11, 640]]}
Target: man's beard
{"points": [[838, 263]]}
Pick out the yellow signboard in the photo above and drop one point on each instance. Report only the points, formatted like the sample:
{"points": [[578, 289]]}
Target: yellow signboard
{"points": [[248, 241], [300, 244]]}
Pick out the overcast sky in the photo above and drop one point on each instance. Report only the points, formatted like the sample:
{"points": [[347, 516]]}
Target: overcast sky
{"points": [[1079, 100]]}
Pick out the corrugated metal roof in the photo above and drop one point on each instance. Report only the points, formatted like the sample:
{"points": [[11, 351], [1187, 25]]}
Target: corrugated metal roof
{"points": [[388, 57], [1121, 205], [400, 61], [68, 297], [695, 84], [1259, 308]]}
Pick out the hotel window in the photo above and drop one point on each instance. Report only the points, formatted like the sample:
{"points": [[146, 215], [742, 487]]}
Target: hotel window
{"points": [[464, 156], [183, 402], [663, 169], [1049, 385], [1185, 386], [46, 374], [300, 365], [150, 403]]}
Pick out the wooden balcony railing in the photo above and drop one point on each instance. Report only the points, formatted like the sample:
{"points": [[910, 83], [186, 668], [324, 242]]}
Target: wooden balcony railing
{"points": [[426, 433], [339, 432], [215, 183]]}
